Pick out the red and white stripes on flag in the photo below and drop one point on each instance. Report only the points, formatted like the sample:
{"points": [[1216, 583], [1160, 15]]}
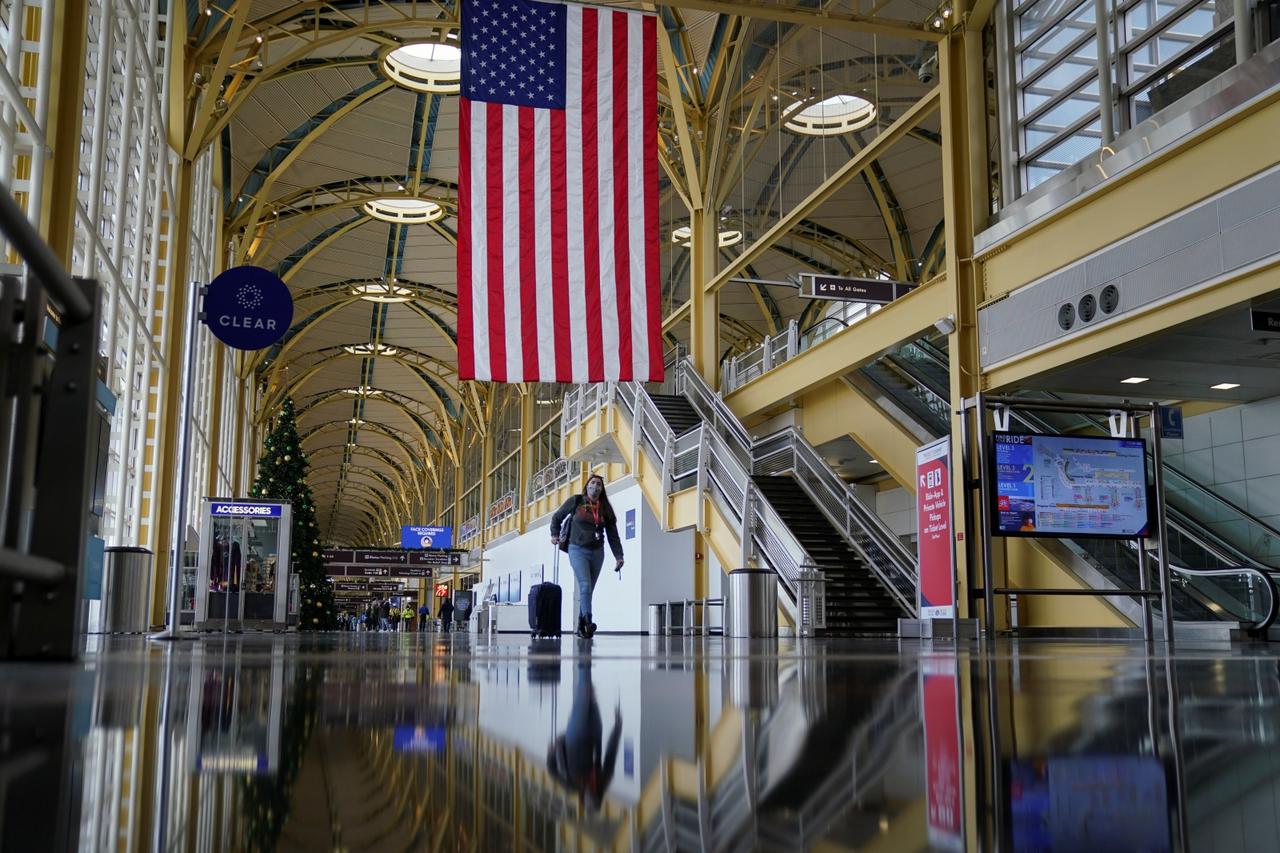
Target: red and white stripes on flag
{"points": [[558, 264]]}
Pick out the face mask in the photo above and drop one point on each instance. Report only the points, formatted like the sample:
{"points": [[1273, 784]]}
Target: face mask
{"points": [[593, 491]]}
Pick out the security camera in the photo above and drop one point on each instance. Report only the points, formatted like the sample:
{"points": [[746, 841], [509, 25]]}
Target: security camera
{"points": [[928, 71], [945, 325]]}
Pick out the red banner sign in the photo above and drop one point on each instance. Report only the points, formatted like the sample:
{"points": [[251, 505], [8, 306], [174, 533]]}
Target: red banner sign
{"points": [[942, 753], [935, 543]]}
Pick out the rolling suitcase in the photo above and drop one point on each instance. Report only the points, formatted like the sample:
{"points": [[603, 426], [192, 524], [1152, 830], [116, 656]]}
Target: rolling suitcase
{"points": [[544, 605]]}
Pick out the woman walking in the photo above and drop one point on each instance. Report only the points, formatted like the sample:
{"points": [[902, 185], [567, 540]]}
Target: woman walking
{"points": [[581, 527]]}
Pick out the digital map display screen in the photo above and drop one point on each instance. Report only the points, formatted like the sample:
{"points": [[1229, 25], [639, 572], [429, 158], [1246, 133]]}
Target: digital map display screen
{"points": [[1060, 485]]}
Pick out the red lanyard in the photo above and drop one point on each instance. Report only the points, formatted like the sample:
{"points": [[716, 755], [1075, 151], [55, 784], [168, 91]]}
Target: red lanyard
{"points": [[595, 512]]}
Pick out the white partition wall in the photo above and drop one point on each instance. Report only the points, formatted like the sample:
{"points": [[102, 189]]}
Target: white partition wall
{"points": [[659, 565]]}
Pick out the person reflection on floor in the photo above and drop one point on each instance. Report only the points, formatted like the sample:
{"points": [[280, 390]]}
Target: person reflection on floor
{"points": [[578, 759]]}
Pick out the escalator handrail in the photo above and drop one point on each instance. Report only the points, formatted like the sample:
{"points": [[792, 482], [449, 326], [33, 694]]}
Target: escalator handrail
{"points": [[871, 377], [1267, 582], [1205, 599], [1187, 478]]}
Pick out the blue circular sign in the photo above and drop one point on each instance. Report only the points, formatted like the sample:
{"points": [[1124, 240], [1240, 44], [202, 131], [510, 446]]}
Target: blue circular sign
{"points": [[248, 308]]}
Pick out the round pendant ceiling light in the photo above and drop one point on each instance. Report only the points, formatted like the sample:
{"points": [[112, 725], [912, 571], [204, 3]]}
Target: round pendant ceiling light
{"points": [[425, 67]]}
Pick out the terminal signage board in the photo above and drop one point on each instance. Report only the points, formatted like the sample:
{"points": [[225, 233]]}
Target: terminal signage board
{"points": [[415, 536], [853, 289], [386, 563], [1066, 485]]}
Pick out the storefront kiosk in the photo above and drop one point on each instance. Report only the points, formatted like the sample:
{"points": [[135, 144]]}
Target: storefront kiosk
{"points": [[243, 579]]}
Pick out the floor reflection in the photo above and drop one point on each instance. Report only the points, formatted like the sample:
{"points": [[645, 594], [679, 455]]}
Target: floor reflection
{"points": [[423, 742]]}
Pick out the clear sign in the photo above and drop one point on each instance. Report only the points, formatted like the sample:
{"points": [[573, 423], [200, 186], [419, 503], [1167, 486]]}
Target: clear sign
{"points": [[413, 536], [248, 308], [935, 542], [1063, 485]]}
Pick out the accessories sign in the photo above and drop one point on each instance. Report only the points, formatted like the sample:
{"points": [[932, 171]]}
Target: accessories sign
{"points": [[246, 510]]}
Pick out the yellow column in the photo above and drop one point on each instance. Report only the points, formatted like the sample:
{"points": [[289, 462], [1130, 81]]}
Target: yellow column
{"points": [[215, 422], [176, 309], [964, 182], [66, 110], [704, 306], [526, 457]]}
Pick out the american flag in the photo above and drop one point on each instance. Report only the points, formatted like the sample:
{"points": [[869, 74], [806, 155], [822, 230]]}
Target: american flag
{"points": [[558, 194]]}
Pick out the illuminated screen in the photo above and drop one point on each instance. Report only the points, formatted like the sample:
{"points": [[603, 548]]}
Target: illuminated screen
{"points": [[1061, 485]]}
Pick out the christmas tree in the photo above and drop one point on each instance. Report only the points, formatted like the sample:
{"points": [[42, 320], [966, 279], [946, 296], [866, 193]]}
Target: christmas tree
{"points": [[282, 476]]}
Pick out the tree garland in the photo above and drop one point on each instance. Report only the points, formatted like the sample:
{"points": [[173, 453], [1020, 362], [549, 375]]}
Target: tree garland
{"points": [[282, 476]]}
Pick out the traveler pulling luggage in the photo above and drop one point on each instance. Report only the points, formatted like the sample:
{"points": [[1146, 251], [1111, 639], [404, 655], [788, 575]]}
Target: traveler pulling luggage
{"points": [[544, 604]]}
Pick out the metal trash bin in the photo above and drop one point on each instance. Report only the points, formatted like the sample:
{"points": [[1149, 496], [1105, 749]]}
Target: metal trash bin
{"points": [[126, 581], [751, 604], [657, 620]]}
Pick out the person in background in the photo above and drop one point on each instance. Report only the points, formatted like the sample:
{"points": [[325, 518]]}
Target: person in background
{"points": [[446, 614], [592, 521], [385, 621], [406, 618], [424, 613]]}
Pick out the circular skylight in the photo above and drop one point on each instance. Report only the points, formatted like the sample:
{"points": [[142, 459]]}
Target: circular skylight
{"points": [[404, 210], [381, 291], [830, 116], [425, 67], [683, 236]]}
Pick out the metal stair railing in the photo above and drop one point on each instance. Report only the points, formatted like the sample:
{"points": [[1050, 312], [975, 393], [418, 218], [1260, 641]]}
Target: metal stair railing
{"points": [[787, 451], [719, 470]]}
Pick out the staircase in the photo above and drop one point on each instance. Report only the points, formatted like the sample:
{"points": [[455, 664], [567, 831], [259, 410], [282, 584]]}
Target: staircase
{"points": [[678, 412], [857, 602]]}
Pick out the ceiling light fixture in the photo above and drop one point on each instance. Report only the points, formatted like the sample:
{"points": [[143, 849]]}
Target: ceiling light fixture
{"points": [[830, 116], [425, 67], [404, 210], [381, 291], [363, 391], [1225, 386], [1135, 380], [372, 349], [683, 236]]}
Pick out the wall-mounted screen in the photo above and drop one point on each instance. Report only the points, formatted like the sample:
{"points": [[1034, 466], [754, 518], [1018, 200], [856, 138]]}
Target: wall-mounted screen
{"points": [[1063, 485]]}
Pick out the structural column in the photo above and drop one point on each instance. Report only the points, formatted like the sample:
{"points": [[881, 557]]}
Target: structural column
{"points": [[66, 111], [704, 303], [164, 477], [965, 204]]}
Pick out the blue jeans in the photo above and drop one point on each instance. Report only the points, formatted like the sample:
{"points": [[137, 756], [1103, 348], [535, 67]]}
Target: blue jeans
{"points": [[586, 563]]}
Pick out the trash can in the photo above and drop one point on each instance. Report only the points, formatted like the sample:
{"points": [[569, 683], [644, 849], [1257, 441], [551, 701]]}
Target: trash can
{"points": [[127, 578], [657, 620], [751, 605]]}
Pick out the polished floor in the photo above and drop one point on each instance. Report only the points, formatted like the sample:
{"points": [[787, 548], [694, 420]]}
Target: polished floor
{"points": [[393, 742]]}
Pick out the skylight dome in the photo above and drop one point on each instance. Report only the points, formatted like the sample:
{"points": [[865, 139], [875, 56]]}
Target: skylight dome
{"points": [[425, 67], [830, 116]]}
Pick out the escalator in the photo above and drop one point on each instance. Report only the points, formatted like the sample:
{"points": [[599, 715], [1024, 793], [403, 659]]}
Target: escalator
{"points": [[915, 379], [857, 603]]}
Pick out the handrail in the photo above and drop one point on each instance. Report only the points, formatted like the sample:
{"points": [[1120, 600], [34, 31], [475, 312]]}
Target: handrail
{"points": [[1264, 579], [68, 299], [853, 519]]}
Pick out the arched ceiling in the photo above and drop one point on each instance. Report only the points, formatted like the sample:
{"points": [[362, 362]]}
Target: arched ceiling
{"points": [[309, 129]]}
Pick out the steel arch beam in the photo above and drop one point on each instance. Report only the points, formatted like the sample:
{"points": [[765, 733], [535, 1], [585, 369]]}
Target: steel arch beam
{"points": [[280, 157]]}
